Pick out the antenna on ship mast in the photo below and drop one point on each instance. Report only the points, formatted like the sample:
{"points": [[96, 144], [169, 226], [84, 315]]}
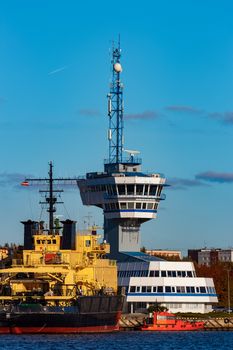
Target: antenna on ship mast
{"points": [[115, 108], [50, 199]]}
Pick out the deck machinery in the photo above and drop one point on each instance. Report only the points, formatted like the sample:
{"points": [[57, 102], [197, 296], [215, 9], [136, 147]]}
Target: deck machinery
{"points": [[127, 195]]}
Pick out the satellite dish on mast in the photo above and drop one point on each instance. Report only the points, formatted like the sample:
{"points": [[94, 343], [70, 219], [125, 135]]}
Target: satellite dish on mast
{"points": [[131, 153]]}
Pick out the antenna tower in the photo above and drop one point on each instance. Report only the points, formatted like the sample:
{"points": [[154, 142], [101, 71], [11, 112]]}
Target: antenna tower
{"points": [[115, 109]]}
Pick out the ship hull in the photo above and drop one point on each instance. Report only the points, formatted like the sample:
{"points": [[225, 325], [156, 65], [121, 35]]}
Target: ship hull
{"points": [[92, 314]]}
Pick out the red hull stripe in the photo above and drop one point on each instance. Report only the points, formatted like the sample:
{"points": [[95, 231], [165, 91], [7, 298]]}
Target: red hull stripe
{"points": [[55, 330]]}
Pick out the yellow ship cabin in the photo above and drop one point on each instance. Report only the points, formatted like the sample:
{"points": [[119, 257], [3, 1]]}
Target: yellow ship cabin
{"points": [[59, 268]]}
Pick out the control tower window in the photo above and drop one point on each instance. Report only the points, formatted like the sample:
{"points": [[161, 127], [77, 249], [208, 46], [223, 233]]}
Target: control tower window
{"points": [[143, 205], [138, 205], [114, 191], [146, 190], [131, 205], [150, 205], [121, 190], [139, 190], [152, 190], [159, 191], [130, 190]]}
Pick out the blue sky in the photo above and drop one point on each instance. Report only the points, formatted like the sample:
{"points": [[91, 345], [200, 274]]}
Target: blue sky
{"points": [[177, 59]]}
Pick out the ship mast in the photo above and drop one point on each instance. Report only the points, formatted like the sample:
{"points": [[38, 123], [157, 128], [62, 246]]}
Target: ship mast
{"points": [[50, 194]]}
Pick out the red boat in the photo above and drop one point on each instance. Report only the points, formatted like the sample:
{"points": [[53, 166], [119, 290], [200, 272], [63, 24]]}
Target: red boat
{"points": [[165, 321]]}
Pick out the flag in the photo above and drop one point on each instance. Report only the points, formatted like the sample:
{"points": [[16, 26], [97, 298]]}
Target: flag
{"points": [[25, 183]]}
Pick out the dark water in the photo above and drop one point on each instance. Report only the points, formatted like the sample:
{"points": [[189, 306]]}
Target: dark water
{"points": [[122, 341]]}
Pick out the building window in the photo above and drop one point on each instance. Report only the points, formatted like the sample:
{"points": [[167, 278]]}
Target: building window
{"points": [[189, 273], [138, 205], [143, 205], [168, 289], [143, 289], [154, 289], [144, 273], [131, 205], [138, 289], [123, 205], [202, 290], [151, 274], [150, 206], [132, 289], [163, 273], [160, 289], [148, 289]]}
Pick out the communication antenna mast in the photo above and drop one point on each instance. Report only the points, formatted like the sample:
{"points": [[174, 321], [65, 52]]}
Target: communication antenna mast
{"points": [[50, 193], [115, 108]]}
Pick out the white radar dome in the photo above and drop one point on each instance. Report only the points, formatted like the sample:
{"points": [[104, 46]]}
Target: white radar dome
{"points": [[118, 67]]}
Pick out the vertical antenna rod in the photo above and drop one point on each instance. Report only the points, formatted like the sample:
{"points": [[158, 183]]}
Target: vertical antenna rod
{"points": [[51, 199], [115, 109]]}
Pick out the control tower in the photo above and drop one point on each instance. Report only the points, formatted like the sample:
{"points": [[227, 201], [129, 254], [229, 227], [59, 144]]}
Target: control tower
{"points": [[128, 196]]}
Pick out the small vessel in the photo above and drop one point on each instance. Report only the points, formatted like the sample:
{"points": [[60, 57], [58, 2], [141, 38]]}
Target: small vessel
{"points": [[61, 282], [166, 321]]}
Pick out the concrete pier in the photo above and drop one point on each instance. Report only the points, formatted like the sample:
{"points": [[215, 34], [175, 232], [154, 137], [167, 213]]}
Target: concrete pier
{"points": [[131, 322]]}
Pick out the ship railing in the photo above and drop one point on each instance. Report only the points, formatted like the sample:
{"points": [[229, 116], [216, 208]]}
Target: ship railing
{"points": [[125, 160], [32, 262]]}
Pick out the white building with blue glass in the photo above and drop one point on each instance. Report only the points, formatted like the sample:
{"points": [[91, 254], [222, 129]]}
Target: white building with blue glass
{"points": [[171, 284]]}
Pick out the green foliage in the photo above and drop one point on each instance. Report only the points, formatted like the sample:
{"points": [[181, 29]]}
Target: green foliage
{"points": [[219, 273]]}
